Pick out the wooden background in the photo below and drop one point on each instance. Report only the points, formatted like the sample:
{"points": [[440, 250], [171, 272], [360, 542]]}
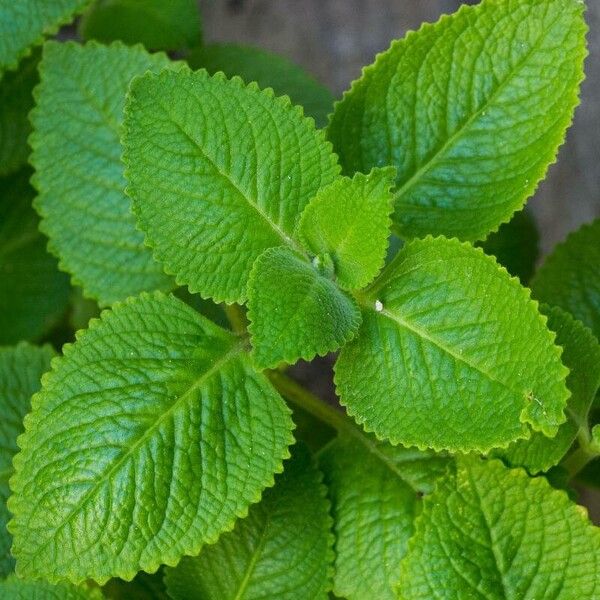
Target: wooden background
{"points": [[333, 39]]}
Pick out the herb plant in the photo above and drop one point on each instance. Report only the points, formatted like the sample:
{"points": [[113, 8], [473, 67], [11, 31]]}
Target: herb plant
{"points": [[164, 451]]}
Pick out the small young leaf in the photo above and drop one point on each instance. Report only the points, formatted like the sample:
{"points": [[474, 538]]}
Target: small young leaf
{"points": [[148, 439], [515, 245], [23, 23], [570, 276], [16, 100], [349, 220], [471, 110], [581, 354], [268, 70], [33, 292], [21, 368], [494, 533], [282, 549], [218, 173], [294, 311], [17, 589], [452, 354], [79, 174], [375, 490], [157, 24]]}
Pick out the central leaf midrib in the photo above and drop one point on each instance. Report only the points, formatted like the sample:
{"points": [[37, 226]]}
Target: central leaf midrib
{"points": [[231, 354]]}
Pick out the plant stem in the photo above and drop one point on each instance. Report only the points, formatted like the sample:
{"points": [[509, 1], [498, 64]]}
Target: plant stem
{"points": [[237, 318], [578, 459]]}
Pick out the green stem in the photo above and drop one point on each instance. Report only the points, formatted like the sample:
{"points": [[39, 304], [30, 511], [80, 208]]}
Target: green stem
{"points": [[578, 459], [237, 318]]}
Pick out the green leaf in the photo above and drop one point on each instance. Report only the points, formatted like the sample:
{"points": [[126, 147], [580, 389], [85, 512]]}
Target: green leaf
{"points": [[17, 589], [218, 173], [349, 220], [268, 70], [294, 311], [24, 23], [79, 174], [157, 24], [452, 354], [142, 587], [33, 293], [493, 533], [471, 110], [148, 439], [282, 549], [21, 368], [581, 354], [16, 101], [375, 491], [570, 277], [515, 245]]}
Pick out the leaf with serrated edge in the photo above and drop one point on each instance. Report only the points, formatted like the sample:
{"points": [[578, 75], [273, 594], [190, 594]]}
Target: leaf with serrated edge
{"points": [[349, 221], [282, 549], [492, 533], [218, 173], [268, 70], [147, 440], [452, 354], [375, 491], [21, 368], [156, 24], [24, 23], [471, 110], [570, 276], [14, 588], [34, 294], [79, 174], [295, 311], [581, 354]]}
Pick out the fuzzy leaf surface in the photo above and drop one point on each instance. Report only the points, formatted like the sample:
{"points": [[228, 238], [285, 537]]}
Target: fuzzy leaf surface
{"points": [[491, 533], [156, 24], [148, 439], [451, 354], [23, 23], [33, 292], [17, 589], [375, 491], [218, 173], [268, 70], [581, 354], [16, 101], [471, 110], [21, 368], [79, 174], [570, 276], [294, 311], [282, 549], [349, 221]]}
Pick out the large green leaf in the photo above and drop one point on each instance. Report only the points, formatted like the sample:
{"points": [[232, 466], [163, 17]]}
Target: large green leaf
{"points": [[157, 24], [471, 110], [17, 589], [23, 23], [491, 533], [79, 174], [452, 354], [21, 368], [148, 439], [348, 223], [581, 354], [282, 549], [33, 293], [16, 100], [570, 276], [295, 311], [375, 491], [268, 70], [218, 173]]}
